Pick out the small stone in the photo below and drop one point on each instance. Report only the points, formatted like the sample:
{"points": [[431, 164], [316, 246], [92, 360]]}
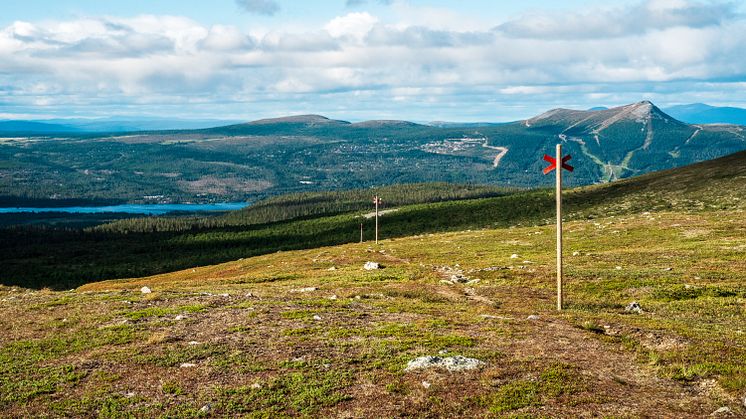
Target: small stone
{"points": [[333, 268], [668, 269], [145, 290], [723, 411], [514, 256], [193, 342], [576, 253], [370, 266], [256, 386], [64, 320], [533, 317], [426, 384], [316, 317], [187, 365], [248, 295], [129, 394], [180, 317], [633, 307], [306, 289], [618, 268], [205, 408], [224, 295], [333, 297]]}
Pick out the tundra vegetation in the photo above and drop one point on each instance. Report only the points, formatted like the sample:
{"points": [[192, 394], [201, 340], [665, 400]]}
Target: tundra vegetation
{"points": [[308, 332]]}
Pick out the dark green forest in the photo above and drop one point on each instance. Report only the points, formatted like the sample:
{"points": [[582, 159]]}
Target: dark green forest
{"points": [[65, 258]]}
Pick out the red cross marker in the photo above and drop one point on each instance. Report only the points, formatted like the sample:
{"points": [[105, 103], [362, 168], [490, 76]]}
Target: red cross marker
{"points": [[553, 163]]}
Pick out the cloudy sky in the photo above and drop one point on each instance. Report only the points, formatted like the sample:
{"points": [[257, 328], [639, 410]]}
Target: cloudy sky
{"points": [[467, 60]]}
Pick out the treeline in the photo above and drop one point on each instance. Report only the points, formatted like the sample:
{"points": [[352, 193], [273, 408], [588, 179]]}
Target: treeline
{"points": [[308, 205], [63, 259]]}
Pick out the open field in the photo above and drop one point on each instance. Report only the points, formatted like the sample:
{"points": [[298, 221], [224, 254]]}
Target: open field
{"points": [[246, 343]]}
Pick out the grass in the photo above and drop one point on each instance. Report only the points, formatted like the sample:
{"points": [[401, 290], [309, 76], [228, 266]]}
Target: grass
{"points": [[106, 349]]}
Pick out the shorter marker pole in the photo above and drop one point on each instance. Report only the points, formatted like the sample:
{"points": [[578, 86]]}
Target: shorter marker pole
{"points": [[361, 232], [376, 199]]}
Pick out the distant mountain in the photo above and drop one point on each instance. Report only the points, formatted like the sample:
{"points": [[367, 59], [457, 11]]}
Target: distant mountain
{"points": [[307, 120], [114, 124], [311, 152], [699, 113], [25, 127]]}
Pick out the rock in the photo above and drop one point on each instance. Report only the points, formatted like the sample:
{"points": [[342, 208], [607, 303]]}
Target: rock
{"points": [[256, 386], [224, 295], [514, 256], [370, 266], [426, 384], [129, 394], [316, 317], [633, 307], [576, 253], [248, 295], [333, 268], [333, 297], [145, 290], [533, 317], [452, 363], [180, 317], [306, 289], [193, 342], [445, 281], [205, 408], [187, 365], [668, 269], [723, 411], [618, 268]]}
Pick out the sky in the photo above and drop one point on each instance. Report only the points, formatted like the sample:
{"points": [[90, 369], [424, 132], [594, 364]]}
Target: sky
{"points": [[468, 60]]}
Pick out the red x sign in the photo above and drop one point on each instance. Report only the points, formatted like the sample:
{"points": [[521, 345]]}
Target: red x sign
{"points": [[553, 163]]}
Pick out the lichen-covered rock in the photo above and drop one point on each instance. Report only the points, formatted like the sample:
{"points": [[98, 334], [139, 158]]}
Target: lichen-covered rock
{"points": [[451, 363], [371, 266], [633, 307]]}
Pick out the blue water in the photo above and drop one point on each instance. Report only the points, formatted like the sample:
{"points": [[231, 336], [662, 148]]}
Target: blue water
{"points": [[150, 209]]}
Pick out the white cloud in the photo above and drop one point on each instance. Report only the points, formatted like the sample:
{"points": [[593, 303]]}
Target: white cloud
{"points": [[355, 25], [360, 61]]}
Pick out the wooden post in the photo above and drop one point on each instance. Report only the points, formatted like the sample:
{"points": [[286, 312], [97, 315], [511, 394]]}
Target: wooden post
{"points": [[559, 226], [376, 201], [361, 232]]}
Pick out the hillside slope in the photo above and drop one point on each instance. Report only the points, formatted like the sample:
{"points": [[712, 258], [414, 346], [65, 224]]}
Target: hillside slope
{"points": [[139, 248], [312, 333]]}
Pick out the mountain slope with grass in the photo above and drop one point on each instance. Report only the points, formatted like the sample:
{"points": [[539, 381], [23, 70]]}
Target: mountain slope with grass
{"points": [[312, 333]]}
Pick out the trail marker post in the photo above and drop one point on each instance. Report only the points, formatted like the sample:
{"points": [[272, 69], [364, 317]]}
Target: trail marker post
{"points": [[553, 165], [376, 201], [361, 232]]}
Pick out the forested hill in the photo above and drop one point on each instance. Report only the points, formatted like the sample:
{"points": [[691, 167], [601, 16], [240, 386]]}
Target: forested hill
{"points": [[309, 153], [135, 248]]}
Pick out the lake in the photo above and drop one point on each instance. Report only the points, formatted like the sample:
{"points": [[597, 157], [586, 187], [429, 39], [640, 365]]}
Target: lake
{"points": [[149, 209]]}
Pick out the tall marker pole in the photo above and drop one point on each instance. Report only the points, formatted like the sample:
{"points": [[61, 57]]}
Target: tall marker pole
{"points": [[559, 229], [361, 232], [558, 163]]}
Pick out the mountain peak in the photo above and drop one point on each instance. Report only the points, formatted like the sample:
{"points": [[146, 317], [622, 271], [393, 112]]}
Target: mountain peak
{"points": [[310, 119]]}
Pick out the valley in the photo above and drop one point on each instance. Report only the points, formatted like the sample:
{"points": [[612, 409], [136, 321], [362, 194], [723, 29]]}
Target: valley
{"points": [[251, 161]]}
